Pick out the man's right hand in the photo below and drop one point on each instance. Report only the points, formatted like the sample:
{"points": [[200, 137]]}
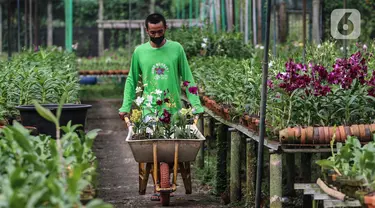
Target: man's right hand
{"points": [[123, 115]]}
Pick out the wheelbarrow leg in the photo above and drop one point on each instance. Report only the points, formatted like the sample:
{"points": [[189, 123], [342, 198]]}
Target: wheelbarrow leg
{"points": [[143, 177], [186, 177]]}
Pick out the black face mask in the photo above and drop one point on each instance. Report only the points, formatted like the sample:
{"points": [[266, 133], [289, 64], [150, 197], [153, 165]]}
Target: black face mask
{"points": [[157, 40]]}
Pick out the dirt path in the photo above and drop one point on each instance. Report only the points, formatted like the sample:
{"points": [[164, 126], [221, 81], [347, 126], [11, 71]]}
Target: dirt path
{"points": [[118, 171]]}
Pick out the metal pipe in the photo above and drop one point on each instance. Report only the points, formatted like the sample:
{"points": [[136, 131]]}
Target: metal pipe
{"points": [[308, 150], [263, 109]]}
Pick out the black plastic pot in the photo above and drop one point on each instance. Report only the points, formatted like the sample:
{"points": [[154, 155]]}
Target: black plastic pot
{"points": [[76, 113]]}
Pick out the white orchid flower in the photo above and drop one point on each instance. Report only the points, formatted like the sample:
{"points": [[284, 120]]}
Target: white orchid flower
{"points": [[148, 105], [204, 45], [205, 40], [149, 131], [158, 92], [149, 98], [139, 101], [138, 89]]}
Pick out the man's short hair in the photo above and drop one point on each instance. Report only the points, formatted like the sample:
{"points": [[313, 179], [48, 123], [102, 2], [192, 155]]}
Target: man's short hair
{"points": [[155, 18]]}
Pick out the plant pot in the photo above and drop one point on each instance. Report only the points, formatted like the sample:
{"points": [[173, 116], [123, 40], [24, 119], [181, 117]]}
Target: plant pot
{"points": [[88, 80], [350, 186], [309, 135], [226, 113], [369, 199], [76, 113]]}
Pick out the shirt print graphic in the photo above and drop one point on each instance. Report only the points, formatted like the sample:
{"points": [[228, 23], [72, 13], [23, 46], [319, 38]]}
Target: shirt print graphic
{"points": [[159, 71]]}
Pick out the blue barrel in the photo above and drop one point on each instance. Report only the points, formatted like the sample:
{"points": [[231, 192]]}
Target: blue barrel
{"points": [[88, 80]]}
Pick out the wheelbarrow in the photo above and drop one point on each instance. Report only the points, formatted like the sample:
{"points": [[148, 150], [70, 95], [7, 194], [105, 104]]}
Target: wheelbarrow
{"points": [[162, 156]]}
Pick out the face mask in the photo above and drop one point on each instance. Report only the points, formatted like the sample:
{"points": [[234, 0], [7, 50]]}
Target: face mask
{"points": [[157, 40]]}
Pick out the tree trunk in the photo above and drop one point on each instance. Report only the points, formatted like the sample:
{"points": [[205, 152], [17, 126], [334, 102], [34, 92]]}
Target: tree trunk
{"points": [[259, 29], [217, 9], [230, 15], [50, 24], [315, 19], [101, 30]]}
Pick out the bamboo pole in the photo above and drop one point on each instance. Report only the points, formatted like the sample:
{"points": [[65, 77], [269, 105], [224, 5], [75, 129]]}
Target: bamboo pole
{"points": [[49, 24], [276, 185], [223, 16], [18, 26], [221, 165], [31, 23], [315, 24], [101, 30], [246, 21], [9, 31], [235, 184], [25, 23]]}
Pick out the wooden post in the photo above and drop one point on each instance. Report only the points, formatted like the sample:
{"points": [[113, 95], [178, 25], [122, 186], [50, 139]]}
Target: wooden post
{"points": [[306, 175], [276, 185], [291, 174], [101, 30], [221, 165], [235, 167], [283, 22], [251, 164], [315, 19], [49, 24], [200, 156]]}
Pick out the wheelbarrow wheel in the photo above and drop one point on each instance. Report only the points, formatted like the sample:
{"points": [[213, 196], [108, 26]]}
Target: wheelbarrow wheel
{"points": [[164, 183]]}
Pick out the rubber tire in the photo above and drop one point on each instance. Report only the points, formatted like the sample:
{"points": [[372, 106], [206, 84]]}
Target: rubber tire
{"points": [[164, 183]]}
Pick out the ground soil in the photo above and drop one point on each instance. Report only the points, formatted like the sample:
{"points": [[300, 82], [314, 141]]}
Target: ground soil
{"points": [[118, 171]]}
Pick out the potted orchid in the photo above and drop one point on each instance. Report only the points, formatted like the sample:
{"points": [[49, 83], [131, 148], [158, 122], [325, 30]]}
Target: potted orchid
{"points": [[157, 120]]}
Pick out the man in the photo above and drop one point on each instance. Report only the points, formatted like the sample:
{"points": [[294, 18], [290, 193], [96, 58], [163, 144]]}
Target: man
{"points": [[163, 66], [161, 63]]}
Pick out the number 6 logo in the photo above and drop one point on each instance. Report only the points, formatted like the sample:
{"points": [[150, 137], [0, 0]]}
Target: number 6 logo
{"points": [[345, 24]]}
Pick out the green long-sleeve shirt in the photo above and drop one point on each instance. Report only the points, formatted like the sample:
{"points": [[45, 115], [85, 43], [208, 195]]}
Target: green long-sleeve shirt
{"points": [[160, 68]]}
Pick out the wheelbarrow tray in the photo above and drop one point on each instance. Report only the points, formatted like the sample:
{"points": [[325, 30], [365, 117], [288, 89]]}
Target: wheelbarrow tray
{"points": [[143, 149]]}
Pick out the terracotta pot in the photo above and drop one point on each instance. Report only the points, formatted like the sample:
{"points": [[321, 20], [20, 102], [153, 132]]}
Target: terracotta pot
{"points": [[348, 131], [303, 135], [369, 199], [291, 135], [316, 136], [322, 135], [327, 139], [283, 136], [362, 131], [297, 134], [372, 128], [342, 133], [338, 136], [368, 134], [330, 133], [354, 129], [309, 135], [226, 113]]}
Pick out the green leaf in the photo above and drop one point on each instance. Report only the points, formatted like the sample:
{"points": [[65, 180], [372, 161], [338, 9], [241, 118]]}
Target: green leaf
{"points": [[35, 197], [326, 163], [96, 203], [45, 113]]}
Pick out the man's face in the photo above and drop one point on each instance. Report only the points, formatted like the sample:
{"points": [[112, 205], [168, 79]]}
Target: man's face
{"points": [[156, 30]]}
